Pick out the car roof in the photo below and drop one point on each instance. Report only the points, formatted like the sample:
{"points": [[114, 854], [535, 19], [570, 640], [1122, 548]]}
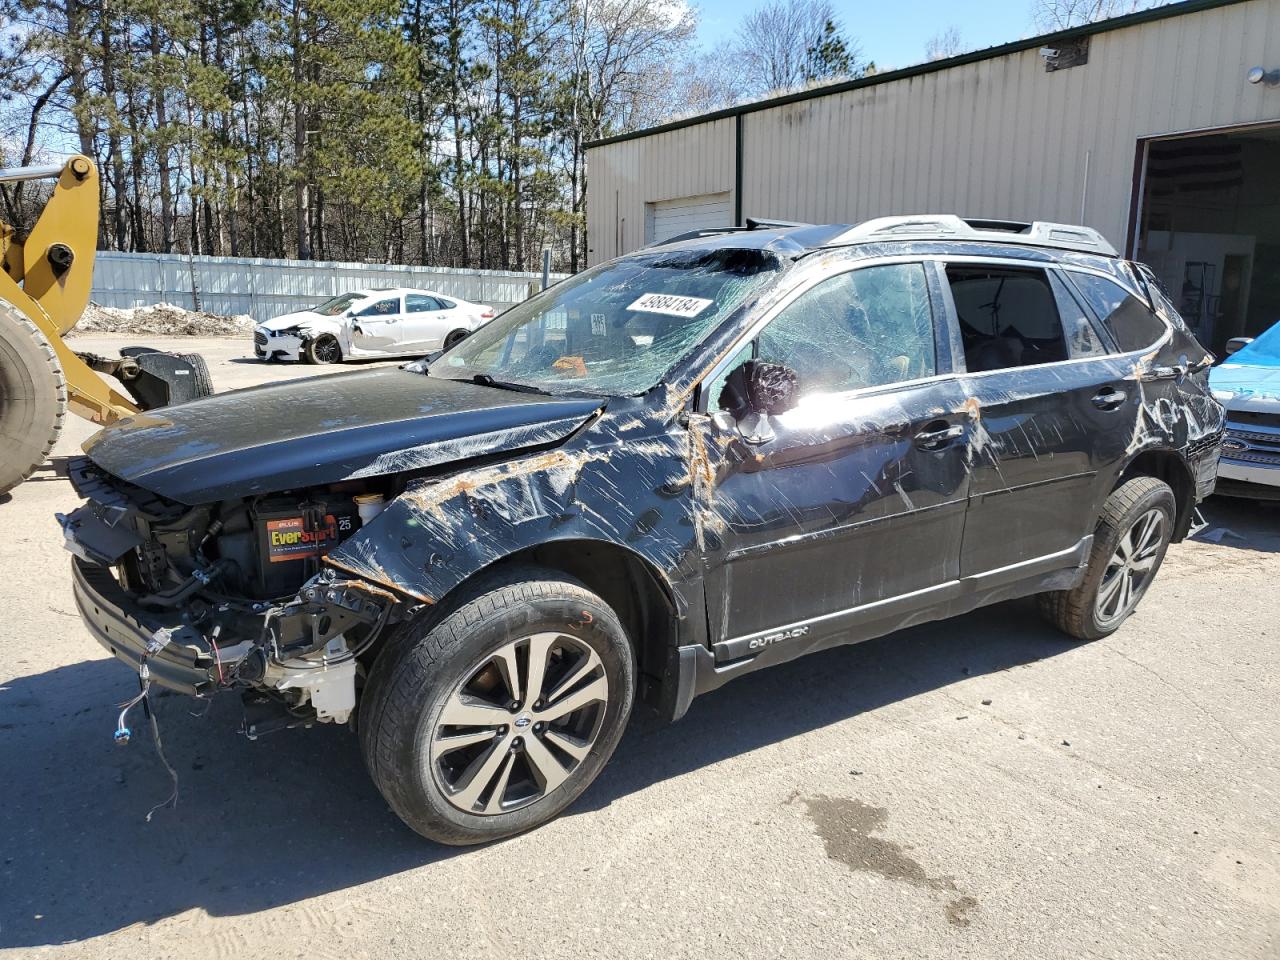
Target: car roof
{"points": [[797, 239], [366, 292]]}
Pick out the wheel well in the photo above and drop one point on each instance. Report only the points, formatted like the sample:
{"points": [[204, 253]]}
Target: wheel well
{"points": [[1167, 466], [628, 584]]}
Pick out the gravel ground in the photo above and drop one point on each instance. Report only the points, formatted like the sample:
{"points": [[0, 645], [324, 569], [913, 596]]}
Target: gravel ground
{"points": [[978, 788]]}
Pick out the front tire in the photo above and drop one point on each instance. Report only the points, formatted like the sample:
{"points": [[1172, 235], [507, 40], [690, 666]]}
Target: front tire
{"points": [[322, 349], [1129, 545], [490, 720]]}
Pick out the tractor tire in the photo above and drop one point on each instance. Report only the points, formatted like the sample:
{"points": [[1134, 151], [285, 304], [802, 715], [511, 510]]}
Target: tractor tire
{"points": [[200, 372], [33, 397]]}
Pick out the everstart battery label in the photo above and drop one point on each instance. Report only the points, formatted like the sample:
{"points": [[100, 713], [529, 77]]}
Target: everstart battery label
{"points": [[287, 540]]}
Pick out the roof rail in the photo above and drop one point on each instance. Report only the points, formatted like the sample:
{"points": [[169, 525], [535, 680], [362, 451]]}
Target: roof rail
{"points": [[947, 226], [752, 223], [695, 235]]}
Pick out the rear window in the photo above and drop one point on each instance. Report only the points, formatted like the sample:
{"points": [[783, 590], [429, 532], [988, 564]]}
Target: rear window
{"points": [[420, 303], [1008, 317], [1130, 321]]}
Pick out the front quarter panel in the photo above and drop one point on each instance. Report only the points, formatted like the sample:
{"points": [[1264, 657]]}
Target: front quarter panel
{"points": [[628, 490]]}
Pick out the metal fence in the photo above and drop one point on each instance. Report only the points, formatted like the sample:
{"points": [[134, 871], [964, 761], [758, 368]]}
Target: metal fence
{"points": [[267, 288]]}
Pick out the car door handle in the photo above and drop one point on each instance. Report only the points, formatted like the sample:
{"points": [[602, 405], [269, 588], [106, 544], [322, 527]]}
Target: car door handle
{"points": [[1109, 398], [1166, 373], [938, 438]]}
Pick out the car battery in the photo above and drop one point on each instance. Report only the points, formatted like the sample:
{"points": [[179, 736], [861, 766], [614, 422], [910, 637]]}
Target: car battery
{"points": [[293, 535]]}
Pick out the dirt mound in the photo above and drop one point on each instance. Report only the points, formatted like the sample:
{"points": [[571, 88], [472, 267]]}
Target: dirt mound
{"points": [[162, 319]]}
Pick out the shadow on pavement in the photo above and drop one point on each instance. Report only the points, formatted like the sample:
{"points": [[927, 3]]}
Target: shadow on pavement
{"points": [[293, 816], [55, 468]]}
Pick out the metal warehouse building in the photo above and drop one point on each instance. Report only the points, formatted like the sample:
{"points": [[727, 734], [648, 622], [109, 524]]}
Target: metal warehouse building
{"points": [[1161, 129]]}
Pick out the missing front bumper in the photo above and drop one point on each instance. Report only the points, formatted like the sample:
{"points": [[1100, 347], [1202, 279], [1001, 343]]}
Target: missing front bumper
{"points": [[126, 630]]}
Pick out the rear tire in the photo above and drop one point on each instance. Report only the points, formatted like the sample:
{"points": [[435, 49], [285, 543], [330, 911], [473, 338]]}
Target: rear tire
{"points": [[454, 338], [460, 730], [1129, 545], [33, 397], [322, 349]]}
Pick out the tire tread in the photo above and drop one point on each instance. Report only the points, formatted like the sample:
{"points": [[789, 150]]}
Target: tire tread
{"points": [[1071, 610], [38, 454], [389, 707]]}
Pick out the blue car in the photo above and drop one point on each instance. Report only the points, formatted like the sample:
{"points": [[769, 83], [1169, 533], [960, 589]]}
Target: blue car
{"points": [[1248, 385]]}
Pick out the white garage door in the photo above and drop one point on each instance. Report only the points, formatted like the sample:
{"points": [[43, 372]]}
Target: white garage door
{"points": [[670, 218]]}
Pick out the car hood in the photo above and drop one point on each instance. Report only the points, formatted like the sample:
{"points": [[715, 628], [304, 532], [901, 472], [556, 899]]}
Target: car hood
{"points": [[325, 429], [1250, 383], [302, 318]]}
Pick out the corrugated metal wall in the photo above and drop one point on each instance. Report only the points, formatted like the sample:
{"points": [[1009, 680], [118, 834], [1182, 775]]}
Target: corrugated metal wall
{"points": [[625, 176], [997, 138], [267, 288]]}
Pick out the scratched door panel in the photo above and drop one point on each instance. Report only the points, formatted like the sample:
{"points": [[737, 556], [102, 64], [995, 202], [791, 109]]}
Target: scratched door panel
{"points": [[1042, 449], [842, 508]]}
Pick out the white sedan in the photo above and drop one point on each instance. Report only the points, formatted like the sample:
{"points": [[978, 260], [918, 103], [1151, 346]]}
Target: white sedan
{"points": [[370, 323]]}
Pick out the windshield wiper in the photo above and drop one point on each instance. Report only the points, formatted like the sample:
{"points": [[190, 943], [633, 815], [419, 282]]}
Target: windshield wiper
{"points": [[486, 380]]}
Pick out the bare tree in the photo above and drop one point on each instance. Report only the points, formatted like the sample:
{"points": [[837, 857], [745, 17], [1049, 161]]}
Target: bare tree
{"points": [[948, 43], [792, 43], [707, 81], [1050, 15], [622, 76]]}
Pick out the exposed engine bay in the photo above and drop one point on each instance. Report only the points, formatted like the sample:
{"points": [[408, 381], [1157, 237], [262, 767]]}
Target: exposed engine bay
{"points": [[235, 593]]}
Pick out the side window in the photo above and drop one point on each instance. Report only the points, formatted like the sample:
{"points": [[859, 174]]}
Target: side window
{"points": [[1131, 323], [382, 308], [445, 304], [420, 303], [1008, 317], [863, 328], [717, 385], [1082, 337]]}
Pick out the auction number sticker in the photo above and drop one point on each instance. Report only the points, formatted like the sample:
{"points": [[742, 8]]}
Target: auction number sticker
{"points": [[670, 304]]}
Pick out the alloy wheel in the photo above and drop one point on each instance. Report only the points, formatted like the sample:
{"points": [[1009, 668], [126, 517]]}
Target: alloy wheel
{"points": [[519, 723], [1129, 570], [327, 350]]}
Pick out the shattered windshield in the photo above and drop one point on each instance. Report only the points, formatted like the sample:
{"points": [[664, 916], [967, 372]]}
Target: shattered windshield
{"points": [[331, 308], [615, 329]]}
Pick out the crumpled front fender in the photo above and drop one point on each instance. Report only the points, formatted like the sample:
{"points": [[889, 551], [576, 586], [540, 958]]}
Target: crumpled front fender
{"points": [[438, 533]]}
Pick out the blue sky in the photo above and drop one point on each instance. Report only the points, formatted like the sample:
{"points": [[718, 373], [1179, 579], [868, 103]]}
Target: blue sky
{"points": [[893, 34]]}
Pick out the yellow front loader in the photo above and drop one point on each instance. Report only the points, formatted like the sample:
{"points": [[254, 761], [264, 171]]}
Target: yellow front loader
{"points": [[45, 281]]}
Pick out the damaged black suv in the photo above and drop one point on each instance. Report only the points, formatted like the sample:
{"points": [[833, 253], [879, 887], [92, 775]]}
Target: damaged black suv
{"points": [[701, 459]]}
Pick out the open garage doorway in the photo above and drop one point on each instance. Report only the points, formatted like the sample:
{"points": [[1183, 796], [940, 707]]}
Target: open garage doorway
{"points": [[1209, 226]]}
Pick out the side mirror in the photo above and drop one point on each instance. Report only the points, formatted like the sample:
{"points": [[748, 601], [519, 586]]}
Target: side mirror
{"points": [[1236, 344], [755, 391]]}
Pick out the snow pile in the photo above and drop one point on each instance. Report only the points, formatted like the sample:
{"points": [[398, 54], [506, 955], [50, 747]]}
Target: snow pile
{"points": [[162, 319]]}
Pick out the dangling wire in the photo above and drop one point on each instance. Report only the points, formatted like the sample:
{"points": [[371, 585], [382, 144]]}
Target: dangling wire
{"points": [[123, 733], [172, 799]]}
